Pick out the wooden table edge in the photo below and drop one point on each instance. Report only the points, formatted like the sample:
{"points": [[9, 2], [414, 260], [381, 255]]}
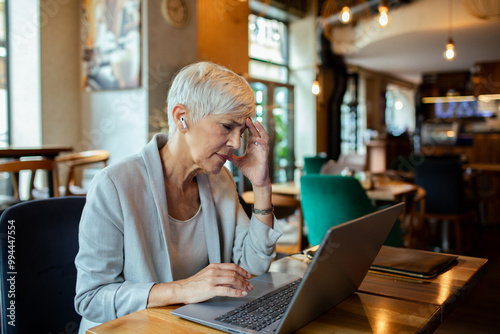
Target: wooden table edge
{"points": [[433, 322]]}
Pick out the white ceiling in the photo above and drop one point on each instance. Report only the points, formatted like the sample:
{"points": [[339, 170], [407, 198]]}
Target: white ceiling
{"points": [[414, 42]]}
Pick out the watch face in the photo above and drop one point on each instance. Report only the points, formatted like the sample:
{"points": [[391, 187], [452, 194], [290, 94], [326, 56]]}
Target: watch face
{"points": [[176, 12]]}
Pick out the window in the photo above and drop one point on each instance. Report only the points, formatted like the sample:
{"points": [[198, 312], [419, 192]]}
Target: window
{"points": [[268, 69], [400, 110], [353, 119], [349, 118], [268, 49], [274, 109], [4, 116]]}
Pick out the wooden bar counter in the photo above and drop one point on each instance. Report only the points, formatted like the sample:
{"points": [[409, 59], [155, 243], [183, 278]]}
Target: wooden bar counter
{"points": [[382, 304]]}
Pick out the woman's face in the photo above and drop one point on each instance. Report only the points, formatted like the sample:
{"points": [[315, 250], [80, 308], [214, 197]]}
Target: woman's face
{"points": [[213, 139]]}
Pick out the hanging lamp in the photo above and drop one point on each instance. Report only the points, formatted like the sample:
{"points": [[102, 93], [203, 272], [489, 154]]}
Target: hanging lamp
{"points": [[345, 15], [450, 54], [383, 16], [316, 89]]}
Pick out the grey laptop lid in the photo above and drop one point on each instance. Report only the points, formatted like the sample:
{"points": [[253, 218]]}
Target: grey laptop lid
{"points": [[336, 271]]}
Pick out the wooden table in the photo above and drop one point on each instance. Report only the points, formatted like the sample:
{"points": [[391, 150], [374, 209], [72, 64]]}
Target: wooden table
{"points": [[482, 167], [385, 190], [287, 188], [383, 304], [48, 152], [284, 207], [391, 191]]}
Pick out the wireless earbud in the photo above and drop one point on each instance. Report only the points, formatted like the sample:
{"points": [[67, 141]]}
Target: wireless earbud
{"points": [[183, 121]]}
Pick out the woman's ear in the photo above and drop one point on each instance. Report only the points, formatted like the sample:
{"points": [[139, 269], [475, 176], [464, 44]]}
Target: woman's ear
{"points": [[179, 114]]}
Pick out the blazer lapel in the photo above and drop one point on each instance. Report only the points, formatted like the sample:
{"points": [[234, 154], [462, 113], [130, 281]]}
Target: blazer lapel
{"points": [[154, 168], [209, 218]]}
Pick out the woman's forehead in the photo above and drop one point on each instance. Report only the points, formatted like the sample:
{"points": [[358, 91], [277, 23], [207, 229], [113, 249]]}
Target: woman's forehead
{"points": [[237, 120]]}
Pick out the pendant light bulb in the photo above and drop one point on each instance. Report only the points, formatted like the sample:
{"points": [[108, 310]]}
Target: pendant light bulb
{"points": [[383, 17], [449, 53], [315, 89], [345, 15]]}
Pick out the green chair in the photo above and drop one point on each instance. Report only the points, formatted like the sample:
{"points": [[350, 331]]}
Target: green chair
{"points": [[312, 165], [330, 200]]}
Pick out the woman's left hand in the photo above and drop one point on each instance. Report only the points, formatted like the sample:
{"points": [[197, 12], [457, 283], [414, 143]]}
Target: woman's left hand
{"points": [[254, 163]]}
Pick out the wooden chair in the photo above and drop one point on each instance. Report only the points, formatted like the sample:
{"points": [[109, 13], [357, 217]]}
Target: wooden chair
{"points": [[415, 219], [16, 166], [76, 160], [284, 207]]}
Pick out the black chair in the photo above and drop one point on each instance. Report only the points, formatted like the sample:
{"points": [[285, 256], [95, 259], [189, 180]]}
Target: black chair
{"points": [[442, 179], [38, 245]]}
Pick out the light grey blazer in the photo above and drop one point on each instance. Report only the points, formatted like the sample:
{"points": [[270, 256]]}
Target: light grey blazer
{"points": [[124, 235]]}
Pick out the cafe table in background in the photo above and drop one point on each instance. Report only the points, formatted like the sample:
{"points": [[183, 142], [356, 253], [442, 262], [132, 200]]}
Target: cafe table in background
{"points": [[46, 151], [383, 189]]}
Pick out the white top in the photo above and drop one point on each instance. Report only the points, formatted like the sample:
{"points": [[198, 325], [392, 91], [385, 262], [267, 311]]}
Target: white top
{"points": [[191, 254]]}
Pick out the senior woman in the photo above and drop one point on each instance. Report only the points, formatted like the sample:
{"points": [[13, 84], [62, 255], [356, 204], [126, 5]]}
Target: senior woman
{"points": [[165, 226]]}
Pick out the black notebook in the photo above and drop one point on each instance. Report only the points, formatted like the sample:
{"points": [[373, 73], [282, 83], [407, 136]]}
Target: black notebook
{"points": [[408, 262]]}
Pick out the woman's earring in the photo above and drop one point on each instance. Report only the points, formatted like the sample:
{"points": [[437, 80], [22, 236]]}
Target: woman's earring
{"points": [[183, 121]]}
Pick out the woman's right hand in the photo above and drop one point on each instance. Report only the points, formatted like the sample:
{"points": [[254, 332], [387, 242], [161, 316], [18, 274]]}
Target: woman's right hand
{"points": [[217, 279]]}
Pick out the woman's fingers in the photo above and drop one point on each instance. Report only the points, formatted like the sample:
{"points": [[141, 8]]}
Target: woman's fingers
{"points": [[217, 279], [222, 275], [232, 282], [256, 131], [254, 162], [262, 132], [232, 267], [230, 292], [252, 130], [232, 275]]}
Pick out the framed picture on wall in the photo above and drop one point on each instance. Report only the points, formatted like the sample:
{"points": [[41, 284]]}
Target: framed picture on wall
{"points": [[111, 44]]}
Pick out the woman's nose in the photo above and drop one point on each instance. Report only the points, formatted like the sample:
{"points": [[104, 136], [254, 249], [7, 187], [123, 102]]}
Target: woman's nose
{"points": [[234, 141]]}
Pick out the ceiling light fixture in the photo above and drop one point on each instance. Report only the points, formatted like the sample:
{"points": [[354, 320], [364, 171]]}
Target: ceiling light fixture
{"points": [[483, 9], [449, 53], [383, 16], [345, 15]]}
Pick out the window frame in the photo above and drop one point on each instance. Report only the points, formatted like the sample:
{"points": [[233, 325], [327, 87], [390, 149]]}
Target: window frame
{"points": [[7, 141]]}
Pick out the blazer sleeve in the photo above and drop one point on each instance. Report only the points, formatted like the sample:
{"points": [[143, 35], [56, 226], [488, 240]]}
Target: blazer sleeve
{"points": [[102, 293], [255, 244]]}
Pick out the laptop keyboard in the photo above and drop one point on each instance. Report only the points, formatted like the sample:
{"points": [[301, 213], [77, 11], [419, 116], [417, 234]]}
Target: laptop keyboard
{"points": [[263, 311]]}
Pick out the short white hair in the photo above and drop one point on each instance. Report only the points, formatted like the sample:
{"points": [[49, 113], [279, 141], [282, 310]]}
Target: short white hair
{"points": [[205, 88]]}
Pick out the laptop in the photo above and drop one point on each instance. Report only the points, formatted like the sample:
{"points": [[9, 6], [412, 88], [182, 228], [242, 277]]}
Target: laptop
{"points": [[337, 269]]}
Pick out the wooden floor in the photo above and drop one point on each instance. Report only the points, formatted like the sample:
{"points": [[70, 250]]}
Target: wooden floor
{"points": [[479, 312]]}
